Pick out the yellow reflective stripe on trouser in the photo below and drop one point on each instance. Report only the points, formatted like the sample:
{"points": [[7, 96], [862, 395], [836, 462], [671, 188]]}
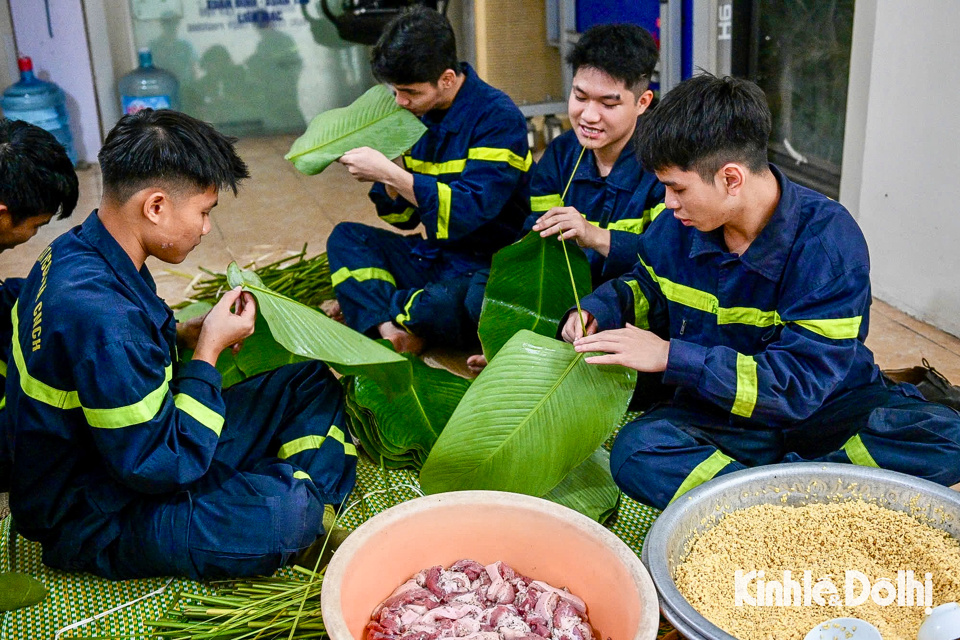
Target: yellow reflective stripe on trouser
{"points": [[492, 154], [199, 412], [3, 369], [369, 273], [545, 203], [834, 328], [641, 307], [444, 195], [136, 413], [302, 475], [394, 218], [746, 398], [434, 168], [706, 470], [39, 391], [858, 454], [403, 318], [299, 445]]}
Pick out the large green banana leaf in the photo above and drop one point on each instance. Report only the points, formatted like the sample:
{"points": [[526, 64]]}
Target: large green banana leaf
{"points": [[309, 333], [536, 412], [373, 120], [260, 352], [529, 288], [589, 488], [400, 430]]}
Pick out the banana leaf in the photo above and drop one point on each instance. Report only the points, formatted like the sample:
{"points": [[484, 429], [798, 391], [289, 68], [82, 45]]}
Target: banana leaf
{"points": [[534, 413], [308, 333], [373, 120], [400, 430], [18, 590], [529, 289], [589, 488]]}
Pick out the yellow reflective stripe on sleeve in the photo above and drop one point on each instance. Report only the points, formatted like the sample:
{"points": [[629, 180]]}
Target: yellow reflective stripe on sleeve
{"points": [[833, 328], [444, 195], [302, 475], [199, 412], [360, 275], [131, 414], [858, 454], [492, 154], [747, 315], [545, 203], [3, 402], [630, 225], [394, 218], [306, 443], [641, 306], [3, 369], [746, 398], [652, 213], [434, 168], [682, 294], [39, 391], [403, 318], [706, 470]]}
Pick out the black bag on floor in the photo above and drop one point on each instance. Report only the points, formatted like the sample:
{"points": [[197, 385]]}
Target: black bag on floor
{"points": [[929, 382]]}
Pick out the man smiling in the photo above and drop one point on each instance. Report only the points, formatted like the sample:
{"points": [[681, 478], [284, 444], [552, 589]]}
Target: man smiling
{"points": [[753, 300]]}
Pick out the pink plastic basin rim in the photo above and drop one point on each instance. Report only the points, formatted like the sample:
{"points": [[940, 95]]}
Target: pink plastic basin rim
{"points": [[538, 538]]}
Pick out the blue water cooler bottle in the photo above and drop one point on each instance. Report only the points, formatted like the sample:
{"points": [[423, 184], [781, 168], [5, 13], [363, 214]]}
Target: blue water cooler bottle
{"points": [[40, 103], [148, 87]]}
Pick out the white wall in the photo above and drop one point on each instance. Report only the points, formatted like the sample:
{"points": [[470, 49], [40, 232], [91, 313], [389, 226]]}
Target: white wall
{"points": [[64, 59], [901, 170]]}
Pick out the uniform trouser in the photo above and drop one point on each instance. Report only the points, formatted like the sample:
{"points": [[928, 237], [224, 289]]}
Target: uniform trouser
{"points": [[380, 276], [280, 458], [676, 447]]}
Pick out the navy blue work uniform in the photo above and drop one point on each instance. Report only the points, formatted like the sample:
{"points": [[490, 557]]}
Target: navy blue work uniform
{"points": [[767, 355], [129, 464], [470, 176], [625, 201], [9, 290]]}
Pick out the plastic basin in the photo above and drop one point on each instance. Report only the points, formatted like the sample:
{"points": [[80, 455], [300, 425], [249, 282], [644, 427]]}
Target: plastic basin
{"points": [[538, 538]]}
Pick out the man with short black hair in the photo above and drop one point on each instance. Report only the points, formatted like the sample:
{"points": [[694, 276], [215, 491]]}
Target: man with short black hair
{"points": [[610, 199], [126, 462], [465, 181], [753, 300]]}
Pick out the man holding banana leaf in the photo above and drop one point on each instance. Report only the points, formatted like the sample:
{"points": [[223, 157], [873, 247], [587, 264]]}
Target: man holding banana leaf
{"points": [[465, 181], [752, 299], [128, 463]]}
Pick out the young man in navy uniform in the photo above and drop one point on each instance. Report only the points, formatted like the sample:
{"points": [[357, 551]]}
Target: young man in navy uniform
{"points": [[752, 298], [126, 462], [465, 181]]}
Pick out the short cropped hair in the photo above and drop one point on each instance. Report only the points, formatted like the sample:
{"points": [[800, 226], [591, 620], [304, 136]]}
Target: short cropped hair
{"points": [[705, 122], [168, 148], [416, 46], [36, 176], [625, 52]]}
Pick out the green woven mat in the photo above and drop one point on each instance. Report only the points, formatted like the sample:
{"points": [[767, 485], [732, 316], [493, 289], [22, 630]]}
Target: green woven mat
{"points": [[74, 597]]}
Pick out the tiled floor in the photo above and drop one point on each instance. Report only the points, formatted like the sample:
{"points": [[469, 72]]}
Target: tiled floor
{"points": [[278, 210]]}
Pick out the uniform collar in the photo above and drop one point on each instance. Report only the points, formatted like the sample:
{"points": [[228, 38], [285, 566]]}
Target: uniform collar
{"points": [[462, 107], [768, 253], [140, 283], [624, 173]]}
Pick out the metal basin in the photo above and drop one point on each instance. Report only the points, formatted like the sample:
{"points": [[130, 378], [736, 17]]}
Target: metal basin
{"points": [[802, 483]]}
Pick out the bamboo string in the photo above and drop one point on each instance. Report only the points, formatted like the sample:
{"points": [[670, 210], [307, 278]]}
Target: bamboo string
{"points": [[563, 243]]}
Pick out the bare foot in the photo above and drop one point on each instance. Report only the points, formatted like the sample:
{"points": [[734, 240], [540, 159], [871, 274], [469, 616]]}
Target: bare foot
{"points": [[476, 363], [333, 311], [402, 341], [956, 487]]}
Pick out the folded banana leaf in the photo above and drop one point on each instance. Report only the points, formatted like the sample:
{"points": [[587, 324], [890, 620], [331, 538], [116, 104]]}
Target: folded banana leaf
{"points": [[373, 120], [399, 430], [589, 488], [529, 288], [535, 413]]}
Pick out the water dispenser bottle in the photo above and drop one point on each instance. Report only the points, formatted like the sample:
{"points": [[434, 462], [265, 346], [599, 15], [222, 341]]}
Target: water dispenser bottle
{"points": [[148, 87], [40, 103]]}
